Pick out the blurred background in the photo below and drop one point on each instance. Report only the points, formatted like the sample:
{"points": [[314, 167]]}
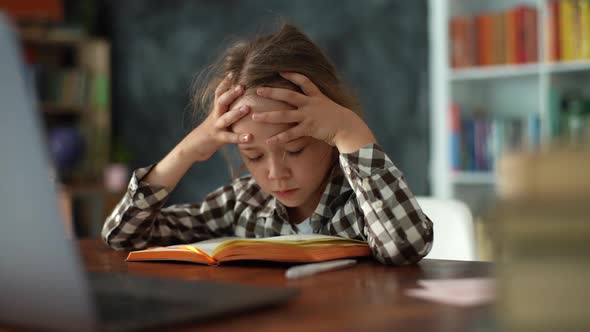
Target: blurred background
{"points": [[113, 81], [483, 103]]}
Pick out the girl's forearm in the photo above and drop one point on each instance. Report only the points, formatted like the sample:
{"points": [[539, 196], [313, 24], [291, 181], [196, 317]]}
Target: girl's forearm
{"points": [[195, 147], [170, 169]]}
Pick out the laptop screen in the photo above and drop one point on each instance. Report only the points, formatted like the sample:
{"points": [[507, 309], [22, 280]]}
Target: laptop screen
{"points": [[40, 277]]}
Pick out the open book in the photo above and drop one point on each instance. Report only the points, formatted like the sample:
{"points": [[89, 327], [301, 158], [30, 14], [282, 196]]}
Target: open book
{"points": [[287, 248]]}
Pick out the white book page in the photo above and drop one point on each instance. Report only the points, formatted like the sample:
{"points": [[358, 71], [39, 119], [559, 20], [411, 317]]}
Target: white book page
{"points": [[300, 237], [208, 246]]}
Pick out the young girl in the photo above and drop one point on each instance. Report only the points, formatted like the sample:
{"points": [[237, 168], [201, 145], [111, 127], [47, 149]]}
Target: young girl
{"points": [[315, 166]]}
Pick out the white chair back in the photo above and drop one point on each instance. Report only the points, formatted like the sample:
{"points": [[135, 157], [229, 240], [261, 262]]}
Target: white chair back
{"points": [[454, 235]]}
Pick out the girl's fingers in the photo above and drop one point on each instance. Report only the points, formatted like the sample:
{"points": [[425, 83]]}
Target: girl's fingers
{"points": [[289, 96], [229, 97], [223, 86], [286, 136], [229, 137], [229, 118], [308, 87], [286, 116]]}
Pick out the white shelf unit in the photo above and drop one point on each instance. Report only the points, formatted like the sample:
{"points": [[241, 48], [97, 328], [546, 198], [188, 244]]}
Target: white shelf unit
{"points": [[462, 177], [513, 89]]}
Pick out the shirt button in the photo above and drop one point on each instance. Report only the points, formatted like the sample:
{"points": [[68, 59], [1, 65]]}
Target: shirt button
{"points": [[347, 170], [379, 204], [140, 196]]}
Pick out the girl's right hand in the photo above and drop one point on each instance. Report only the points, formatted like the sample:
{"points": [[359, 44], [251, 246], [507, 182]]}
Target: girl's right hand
{"points": [[214, 132]]}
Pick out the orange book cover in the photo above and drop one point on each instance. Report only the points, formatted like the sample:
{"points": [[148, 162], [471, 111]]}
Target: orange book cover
{"points": [[299, 248], [485, 26], [510, 33], [516, 36], [456, 42], [461, 34]]}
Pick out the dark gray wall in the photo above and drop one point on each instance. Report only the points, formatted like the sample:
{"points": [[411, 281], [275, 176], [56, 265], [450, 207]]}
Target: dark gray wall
{"points": [[379, 47]]}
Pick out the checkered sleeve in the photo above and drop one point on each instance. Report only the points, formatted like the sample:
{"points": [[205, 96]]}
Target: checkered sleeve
{"points": [[140, 219], [395, 227]]}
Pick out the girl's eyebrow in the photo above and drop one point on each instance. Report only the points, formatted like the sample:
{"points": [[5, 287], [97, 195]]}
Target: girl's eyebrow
{"points": [[297, 141], [248, 148]]}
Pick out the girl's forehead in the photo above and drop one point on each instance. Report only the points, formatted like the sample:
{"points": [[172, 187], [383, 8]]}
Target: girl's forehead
{"points": [[260, 131], [258, 103]]}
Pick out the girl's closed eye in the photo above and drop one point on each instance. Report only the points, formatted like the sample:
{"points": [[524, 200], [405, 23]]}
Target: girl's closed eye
{"points": [[253, 159], [295, 152]]}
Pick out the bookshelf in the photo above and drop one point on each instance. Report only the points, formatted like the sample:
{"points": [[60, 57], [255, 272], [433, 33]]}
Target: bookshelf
{"points": [[70, 75], [491, 94]]}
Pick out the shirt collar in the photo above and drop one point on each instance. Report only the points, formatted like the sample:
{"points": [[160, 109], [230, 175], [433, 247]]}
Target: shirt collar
{"points": [[337, 185]]}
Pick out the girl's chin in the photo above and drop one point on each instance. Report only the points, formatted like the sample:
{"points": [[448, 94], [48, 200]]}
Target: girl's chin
{"points": [[289, 204], [288, 198]]}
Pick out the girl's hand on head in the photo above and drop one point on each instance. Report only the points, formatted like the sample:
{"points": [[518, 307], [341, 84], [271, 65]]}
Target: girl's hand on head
{"points": [[315, 115], [214, 131]]}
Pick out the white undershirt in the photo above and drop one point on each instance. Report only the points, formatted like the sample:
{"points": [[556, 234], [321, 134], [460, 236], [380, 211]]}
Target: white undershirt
{"points": [[304, 227]]}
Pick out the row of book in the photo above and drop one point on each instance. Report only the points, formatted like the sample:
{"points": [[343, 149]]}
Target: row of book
{"points": [[74, 78], [478, 140], [512, 36], [493, 38]]}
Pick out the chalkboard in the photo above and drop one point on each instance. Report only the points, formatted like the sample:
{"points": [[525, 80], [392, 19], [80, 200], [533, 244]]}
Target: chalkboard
{"points": [[379, 47]]}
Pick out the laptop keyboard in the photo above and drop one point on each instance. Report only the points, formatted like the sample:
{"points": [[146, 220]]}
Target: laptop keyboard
{"points": [[123, 307], [127, 302]]}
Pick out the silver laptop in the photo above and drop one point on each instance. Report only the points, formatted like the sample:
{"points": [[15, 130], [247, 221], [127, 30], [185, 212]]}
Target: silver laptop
{"points": [[42, 283]]}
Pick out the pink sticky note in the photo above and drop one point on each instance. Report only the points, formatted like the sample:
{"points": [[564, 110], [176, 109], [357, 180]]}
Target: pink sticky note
{"points": [[459, 292]]}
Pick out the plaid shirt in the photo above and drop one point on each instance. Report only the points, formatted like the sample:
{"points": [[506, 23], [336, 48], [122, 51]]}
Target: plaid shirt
{"points": [[366, 198]]}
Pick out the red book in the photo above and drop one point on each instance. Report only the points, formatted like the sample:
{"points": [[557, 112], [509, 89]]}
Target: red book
{"points": [[520, 34], [530, 35], [553, 44]]}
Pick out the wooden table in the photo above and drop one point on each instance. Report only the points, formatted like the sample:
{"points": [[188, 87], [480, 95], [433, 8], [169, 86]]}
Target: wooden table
{"points": [[367, 297]]}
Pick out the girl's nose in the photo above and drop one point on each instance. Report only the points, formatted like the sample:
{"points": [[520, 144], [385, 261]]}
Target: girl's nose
{"points": [[278, 169]]}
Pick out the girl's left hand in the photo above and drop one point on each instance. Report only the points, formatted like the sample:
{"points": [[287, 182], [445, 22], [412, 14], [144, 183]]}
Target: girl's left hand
{"points": [[315, 115]]}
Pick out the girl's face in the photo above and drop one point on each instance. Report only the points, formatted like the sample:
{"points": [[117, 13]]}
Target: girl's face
{"points": [[293, 172]]}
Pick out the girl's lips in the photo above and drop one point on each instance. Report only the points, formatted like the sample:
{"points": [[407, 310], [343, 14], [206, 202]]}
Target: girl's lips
{"points": [[285, 193]]}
